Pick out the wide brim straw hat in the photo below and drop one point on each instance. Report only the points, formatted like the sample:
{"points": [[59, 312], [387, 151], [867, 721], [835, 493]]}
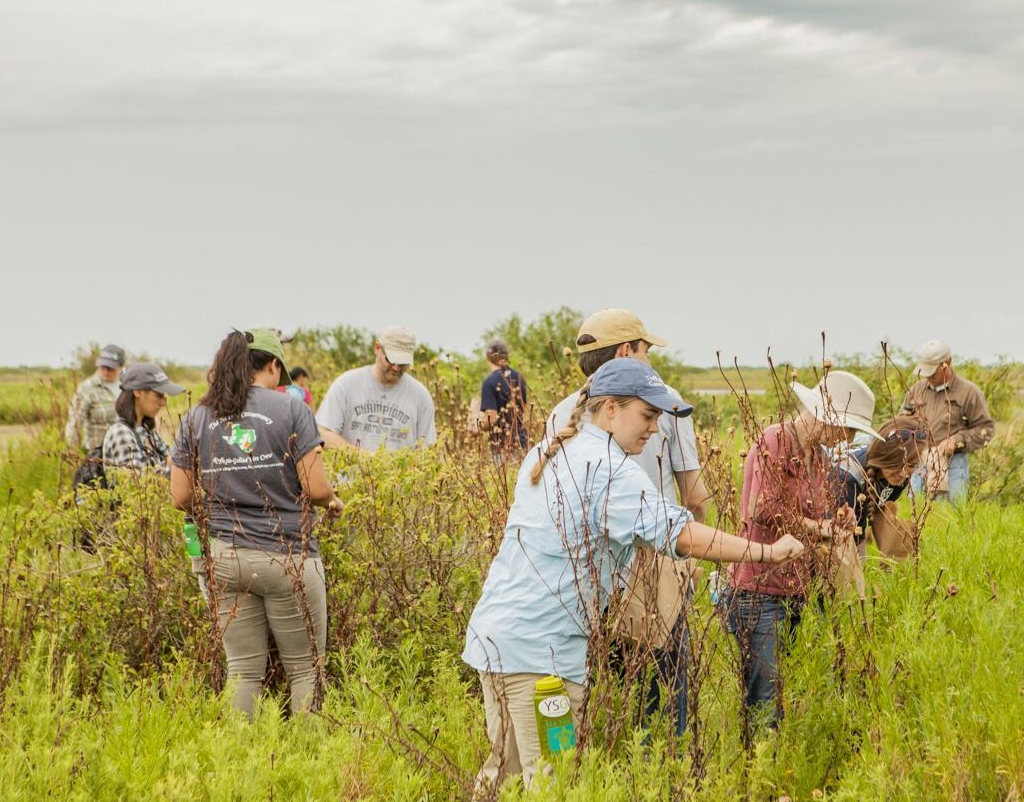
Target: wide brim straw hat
{"points": [[840, 399]]}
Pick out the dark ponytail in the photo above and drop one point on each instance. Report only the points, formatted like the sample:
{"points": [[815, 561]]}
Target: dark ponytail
{"points": [[230, 376]]}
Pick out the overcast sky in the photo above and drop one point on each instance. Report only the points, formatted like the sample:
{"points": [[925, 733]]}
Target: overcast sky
{"points": [[742, 175]]}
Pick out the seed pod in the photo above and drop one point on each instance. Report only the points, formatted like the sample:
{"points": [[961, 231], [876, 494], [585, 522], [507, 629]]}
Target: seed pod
{"points": [[861, 498], [567, 352], [826, 363]]}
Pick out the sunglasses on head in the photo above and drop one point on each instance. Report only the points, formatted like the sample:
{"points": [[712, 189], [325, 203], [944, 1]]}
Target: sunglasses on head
{"points": [[908, 434]]}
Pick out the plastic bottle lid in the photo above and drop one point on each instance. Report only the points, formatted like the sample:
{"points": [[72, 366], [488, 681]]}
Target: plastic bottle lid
{"points": [[549, 683]]}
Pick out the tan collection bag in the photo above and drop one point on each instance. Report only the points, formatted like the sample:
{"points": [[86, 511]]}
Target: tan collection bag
{"points": [[653, 598], [838, 563]]}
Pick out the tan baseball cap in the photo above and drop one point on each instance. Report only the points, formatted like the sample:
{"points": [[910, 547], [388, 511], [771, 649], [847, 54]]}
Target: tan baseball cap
{"points": [[398, 343], [612, 327], [933, 354]]}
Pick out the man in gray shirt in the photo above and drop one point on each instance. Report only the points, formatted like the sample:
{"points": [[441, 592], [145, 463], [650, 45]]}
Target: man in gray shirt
{"points": [[379, 404]]}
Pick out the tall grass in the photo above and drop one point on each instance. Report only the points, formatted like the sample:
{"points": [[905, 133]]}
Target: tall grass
{"points": [[914, 694], [111, 675]]}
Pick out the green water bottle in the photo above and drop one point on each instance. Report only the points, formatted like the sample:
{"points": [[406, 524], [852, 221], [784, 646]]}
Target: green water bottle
{"points": [[554, 716], [193, 546]]}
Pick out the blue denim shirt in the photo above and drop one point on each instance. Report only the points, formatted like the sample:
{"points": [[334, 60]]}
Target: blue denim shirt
{"points": [[566, 541]]}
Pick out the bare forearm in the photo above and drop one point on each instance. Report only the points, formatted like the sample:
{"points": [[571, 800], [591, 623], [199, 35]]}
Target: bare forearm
{"points": [[313, 478], [703, 542], [334, 440]]}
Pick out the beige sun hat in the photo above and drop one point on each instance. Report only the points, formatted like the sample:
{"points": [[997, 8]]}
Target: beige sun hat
{"points": [[840, 399]]}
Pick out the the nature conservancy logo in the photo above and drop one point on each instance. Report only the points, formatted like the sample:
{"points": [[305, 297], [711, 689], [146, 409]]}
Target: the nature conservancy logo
{"points": [[245, 439]]}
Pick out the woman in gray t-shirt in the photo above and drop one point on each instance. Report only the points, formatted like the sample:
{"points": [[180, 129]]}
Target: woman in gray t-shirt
{"points": [[247, 465]]}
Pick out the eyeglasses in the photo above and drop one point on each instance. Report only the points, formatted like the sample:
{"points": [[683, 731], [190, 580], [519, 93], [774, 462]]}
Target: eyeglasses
{"points": [[903, 435], [392, 364]]}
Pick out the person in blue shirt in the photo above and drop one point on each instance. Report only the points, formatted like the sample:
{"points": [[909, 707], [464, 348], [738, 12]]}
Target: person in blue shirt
{"points": [[580, 505], [503, 403]]}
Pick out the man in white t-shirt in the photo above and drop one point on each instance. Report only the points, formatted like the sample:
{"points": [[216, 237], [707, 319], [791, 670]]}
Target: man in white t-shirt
{"points": [[379, 404], [670, 460]]}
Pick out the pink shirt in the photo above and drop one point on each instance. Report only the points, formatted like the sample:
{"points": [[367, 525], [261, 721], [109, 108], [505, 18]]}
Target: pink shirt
{"points": [[787, 490]]}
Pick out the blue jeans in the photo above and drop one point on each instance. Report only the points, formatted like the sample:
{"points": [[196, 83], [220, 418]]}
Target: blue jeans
{"points": [[956, 477], [756, 620]]}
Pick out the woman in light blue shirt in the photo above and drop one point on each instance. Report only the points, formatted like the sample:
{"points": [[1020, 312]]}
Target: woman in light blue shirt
{"points": [[579, 506]]}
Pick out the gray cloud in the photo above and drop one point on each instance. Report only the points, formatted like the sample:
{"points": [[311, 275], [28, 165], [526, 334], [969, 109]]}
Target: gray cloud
{"points": [[632, 60], [826, 156]]}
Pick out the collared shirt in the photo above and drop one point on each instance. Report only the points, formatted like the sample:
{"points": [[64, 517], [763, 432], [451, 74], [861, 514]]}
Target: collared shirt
{"points": [[92, 411], [567, 540], [958, 409], [136, 447]]}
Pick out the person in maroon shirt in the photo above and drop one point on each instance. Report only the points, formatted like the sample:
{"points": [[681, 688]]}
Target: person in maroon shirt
{"points": [[787, 490]]}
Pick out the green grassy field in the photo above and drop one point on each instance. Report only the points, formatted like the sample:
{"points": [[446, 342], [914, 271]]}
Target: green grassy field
{"points": [[110, 688], [111, 678]]}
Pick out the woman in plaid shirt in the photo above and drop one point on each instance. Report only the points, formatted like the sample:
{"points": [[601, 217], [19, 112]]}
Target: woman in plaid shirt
{"points": [[133, 441]]}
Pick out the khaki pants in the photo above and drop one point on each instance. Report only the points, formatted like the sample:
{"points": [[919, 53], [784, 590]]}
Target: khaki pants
{"points": [[512, 725], [259, 591]]}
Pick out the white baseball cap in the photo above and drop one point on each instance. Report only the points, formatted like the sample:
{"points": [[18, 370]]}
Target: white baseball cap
{"points": [[934, 353]]}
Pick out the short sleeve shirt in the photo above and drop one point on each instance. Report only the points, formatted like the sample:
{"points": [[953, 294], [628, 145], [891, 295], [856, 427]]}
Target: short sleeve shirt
{"points": [[247, 469], [504, 391], [369, 414]]}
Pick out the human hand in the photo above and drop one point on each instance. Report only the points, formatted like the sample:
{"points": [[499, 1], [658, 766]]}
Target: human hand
{"points": [[334, 508], [839, 527], [785, 548], [947, 446]]}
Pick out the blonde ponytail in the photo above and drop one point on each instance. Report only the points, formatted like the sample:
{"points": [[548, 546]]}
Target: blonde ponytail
{"points": [[563, 435]]}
